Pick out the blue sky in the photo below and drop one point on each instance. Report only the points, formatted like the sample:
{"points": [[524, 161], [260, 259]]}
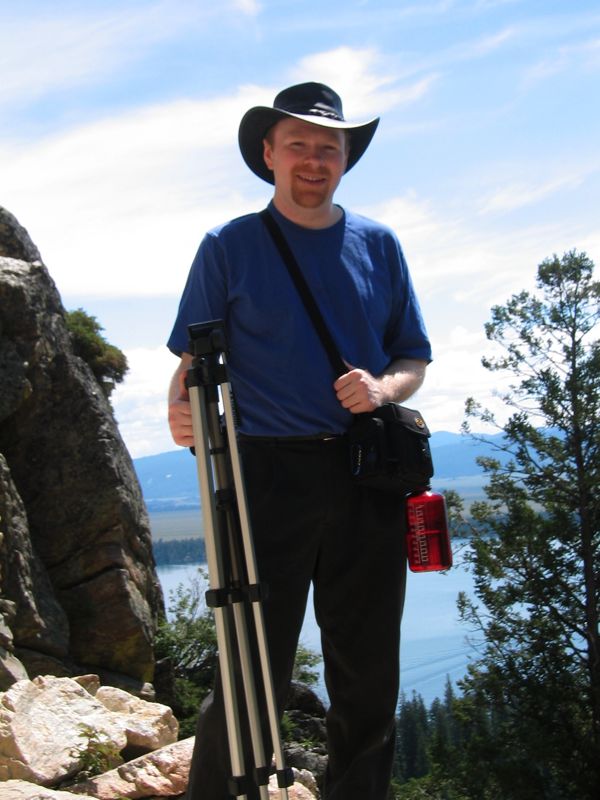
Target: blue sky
{"points": [[118, 149]]}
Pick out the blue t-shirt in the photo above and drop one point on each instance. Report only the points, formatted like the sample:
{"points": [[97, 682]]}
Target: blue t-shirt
{"points": [[280, 374]]}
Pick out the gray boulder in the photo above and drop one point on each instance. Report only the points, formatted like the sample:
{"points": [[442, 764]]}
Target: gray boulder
{"points": [[76, 555]]}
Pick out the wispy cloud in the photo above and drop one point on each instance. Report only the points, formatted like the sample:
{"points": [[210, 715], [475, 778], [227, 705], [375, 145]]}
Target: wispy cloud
{"points": [[455, 374], [150, 180], [479, 47], [250, 7], [362, 78], [518, 194], [459, 262], [583, 55], [57, 51], [360, 16], [486, 5], [153, 178]]}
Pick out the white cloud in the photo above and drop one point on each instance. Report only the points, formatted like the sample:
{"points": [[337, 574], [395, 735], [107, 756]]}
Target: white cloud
{"points": [[461, 268], [590, 244], [456, 374], [485, 5], [41, 53], [514, 195], [582, 55], [140, 402], [118, 206], [250, 7], [479, 48], [357, 76], [453, 259]]}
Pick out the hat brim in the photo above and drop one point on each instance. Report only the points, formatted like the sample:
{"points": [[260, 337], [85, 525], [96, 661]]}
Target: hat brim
{"points": [[257, 121]]}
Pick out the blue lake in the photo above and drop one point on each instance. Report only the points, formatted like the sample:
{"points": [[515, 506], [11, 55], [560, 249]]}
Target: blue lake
{"points": [[434, 642]]}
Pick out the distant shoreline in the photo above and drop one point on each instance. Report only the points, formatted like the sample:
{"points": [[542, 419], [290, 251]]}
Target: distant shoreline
{"points": [[182, 524]]}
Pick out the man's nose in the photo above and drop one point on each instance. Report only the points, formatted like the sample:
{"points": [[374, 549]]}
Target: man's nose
{"points": [[315, 153]]}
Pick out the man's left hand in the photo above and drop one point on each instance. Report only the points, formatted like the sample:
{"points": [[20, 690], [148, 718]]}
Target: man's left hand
{"points": [[359, 391]]}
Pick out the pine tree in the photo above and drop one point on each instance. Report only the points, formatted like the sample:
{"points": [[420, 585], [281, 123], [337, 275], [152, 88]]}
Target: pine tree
{"points": [[412, 736], [536, 554]]}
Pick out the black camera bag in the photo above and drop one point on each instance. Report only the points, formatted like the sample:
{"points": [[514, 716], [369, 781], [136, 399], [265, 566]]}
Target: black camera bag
{"points": [[389, 450]]}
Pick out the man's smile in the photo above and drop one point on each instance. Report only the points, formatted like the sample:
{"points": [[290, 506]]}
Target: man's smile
{"points": [[311, 178]]}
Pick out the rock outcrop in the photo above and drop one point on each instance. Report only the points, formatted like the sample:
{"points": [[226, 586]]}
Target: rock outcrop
{"points": [[163, 773], [83, 728], [72, 717], [14, 239], [78, 586]]}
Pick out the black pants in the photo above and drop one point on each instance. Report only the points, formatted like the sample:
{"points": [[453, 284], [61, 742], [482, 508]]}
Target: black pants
{"points": [[311, 524]]}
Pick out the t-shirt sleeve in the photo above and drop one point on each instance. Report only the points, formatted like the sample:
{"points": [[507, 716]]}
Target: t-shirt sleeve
{"points": [[204, 297], [406, 335]]}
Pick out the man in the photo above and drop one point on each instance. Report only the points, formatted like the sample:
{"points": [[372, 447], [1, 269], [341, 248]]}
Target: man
{"points": [[310, 523]]}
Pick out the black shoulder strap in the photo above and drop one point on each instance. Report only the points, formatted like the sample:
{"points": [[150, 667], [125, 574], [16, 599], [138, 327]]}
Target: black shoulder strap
{"points": [[303, 289]]}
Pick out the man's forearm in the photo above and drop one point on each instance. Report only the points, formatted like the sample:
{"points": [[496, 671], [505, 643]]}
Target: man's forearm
{"points": [[402, 378], [361, 392]]}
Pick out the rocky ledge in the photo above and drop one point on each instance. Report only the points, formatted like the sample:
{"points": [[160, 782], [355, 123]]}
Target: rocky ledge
{"points": [[55, 732]]}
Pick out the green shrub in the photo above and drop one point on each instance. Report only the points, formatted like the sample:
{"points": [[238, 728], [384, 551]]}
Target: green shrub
{"points": [[106, 361], [188, 640]]}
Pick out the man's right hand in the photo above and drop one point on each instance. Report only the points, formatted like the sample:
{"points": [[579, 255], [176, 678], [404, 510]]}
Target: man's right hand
{"points": [[180, 413]]}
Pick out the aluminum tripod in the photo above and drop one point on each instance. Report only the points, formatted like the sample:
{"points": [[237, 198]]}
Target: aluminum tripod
{"points": [[234, 594]]}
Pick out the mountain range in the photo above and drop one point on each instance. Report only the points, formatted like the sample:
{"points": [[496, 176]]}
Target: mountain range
{"points": [[169, 480]]}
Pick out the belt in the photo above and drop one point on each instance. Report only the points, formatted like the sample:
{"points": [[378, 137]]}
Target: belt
{"points": [[286, 440]]}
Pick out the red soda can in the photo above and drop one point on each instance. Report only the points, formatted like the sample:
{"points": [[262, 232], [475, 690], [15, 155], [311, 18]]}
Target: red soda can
{"points": [[427, 536]]}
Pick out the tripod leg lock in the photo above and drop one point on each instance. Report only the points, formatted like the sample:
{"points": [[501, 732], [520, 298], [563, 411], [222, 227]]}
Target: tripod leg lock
{"points": [[261, 776], [257, 592], [238, 785], [217, 598], [285, 777], [204, 373], [225, 499], [228, 595]]}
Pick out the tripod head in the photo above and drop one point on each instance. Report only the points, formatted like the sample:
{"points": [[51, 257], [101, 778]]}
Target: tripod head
{"points": [[207, 338], [207, 346]]}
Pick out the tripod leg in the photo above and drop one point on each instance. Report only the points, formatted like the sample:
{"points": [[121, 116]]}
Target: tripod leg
{"points": [[284, 776], [239, 581], [214, 557]]}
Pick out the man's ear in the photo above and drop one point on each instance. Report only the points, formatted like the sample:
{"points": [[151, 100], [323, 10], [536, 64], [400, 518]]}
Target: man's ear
{"points": [[267, 154], [348, 136]]}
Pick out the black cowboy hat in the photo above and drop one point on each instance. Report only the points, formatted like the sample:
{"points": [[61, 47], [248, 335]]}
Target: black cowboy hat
{"points": [[311, 102]]}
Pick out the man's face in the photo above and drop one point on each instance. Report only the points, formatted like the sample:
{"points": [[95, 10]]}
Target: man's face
{"points": [[307, 161]]}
